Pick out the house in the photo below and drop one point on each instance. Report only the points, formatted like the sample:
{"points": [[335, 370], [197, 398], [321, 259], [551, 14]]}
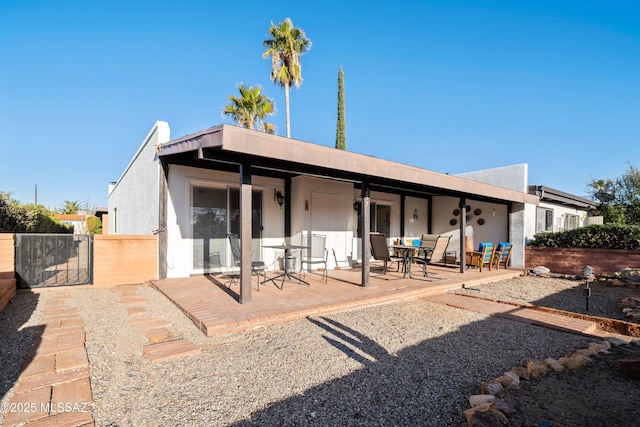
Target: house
{"points": [[192, 191]]}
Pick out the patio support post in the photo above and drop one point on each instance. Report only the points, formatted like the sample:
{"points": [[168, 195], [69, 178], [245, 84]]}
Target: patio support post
{"points": [[463, 235], [287, 208], [365, 226], [403, 200], [429, 214], [162, 218], [245, 233]]}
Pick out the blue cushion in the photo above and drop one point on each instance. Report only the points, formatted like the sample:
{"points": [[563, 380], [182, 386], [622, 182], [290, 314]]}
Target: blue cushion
{"points": [[485, 245]]}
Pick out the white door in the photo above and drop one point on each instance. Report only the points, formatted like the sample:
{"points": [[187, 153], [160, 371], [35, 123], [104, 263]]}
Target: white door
{"points": [[329, 218]]}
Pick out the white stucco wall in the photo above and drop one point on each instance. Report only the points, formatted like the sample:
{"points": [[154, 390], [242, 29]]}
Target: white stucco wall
{"points": [[514, 177], [494, 229], [133, 199]]}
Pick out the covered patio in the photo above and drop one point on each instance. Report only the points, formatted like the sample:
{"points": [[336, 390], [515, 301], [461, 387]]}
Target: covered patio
{"points": [[213, 306], [314, 187]]}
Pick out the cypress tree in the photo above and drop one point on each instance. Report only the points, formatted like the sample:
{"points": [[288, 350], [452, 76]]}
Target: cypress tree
{"points": [[341, 137]]}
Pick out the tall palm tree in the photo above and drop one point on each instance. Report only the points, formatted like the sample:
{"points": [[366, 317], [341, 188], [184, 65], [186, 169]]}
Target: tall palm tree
{"points": [[250, 109], [285, 47]]}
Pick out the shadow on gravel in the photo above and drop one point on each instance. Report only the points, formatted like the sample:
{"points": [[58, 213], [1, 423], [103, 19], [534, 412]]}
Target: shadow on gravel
{"points": [[426, 384], [15, 341]]}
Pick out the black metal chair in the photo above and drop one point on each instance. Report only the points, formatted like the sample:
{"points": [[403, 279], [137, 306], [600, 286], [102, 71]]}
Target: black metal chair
{"points": [[316, 254], [258, 268], [380, 251]]}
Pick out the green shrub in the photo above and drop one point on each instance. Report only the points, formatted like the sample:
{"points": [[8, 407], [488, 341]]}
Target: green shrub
{"points": [[608, 236]]}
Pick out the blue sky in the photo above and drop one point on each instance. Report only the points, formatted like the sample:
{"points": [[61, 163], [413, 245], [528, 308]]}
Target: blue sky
{"points": [[447, 86]]}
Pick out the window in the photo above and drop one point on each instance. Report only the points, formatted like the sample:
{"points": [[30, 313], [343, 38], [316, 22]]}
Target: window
{"points": [[570, 222], [544, 220], [379, 219]]}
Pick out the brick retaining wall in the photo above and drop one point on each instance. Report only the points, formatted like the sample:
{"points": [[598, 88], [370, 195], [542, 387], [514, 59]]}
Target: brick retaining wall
{"points": [[124, 259], [571, 260]]}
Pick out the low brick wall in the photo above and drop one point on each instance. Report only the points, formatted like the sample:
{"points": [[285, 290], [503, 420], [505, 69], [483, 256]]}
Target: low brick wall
{"points": [[571, 260], [7, 252], [7, 265], [124, 259]]}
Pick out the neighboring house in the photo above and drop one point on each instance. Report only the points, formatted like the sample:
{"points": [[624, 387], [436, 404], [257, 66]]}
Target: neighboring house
{"points": [[193, 190], [559, 211], [556, 210], [78, 221]]}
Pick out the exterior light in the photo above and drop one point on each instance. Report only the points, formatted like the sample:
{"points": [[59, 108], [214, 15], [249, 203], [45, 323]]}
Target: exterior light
{"points": [[356, 206], [278, 197], [587, 273]]}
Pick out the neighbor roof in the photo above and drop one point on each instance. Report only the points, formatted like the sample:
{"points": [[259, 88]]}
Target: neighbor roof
{"points": [[548, 194]]}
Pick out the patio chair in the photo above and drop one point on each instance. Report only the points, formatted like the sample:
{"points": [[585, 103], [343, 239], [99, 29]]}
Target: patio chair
{"points": [[502, 255], [483, 256], [435, 253], [380, 251], [258, 268], [316, 254]]}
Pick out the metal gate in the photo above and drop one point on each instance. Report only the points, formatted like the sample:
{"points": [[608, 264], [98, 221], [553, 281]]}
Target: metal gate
{"points": [[54, 259]]}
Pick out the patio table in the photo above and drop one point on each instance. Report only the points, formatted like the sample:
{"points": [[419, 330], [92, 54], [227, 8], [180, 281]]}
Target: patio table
{"points": [[288, 273], [407, 257]]}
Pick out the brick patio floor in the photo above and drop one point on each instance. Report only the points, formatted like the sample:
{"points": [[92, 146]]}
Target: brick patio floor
{"points": [[214, 308]]}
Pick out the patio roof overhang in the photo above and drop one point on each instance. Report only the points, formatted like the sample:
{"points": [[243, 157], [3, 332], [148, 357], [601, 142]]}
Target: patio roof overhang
{"points": [[271, 155]]}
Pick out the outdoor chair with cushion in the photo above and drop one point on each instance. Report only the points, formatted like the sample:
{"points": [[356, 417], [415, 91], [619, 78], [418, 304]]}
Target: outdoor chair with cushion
{"points": [[502, 255], [258, 268], [316, 254], [483, 256], [380, 251], [436, 254]]}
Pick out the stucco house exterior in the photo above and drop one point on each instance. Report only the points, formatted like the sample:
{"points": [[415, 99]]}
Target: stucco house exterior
{"points": [[192, 191]]}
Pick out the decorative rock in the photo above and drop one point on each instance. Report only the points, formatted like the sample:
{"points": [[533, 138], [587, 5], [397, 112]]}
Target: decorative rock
{"points": [[574, 360], [485, 415], [630, 367], [540, 271], [554, 364], [508, 381], [629, 276], [477, 399], [521, 372], [630, 302], [616, 283], [504, 407], [600, 346], [615, 341], [537, 369], [491, 387]]}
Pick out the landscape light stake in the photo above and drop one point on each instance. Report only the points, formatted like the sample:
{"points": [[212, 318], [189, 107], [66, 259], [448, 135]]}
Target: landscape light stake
{"points": [[587, 273]]}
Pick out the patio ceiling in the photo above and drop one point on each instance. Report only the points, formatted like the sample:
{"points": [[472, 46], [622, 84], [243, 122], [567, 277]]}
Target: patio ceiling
{"points": [[224, 147]]}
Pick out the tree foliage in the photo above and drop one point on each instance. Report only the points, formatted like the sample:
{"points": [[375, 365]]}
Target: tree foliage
{"points": [[17, 218], [285, 46], [250, 109], [619, 198], [14, 218], [94, 225], [341, 136]]}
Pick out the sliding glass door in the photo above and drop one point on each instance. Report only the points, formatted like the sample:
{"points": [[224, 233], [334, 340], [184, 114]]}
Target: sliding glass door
{"points": [[214, 213]]}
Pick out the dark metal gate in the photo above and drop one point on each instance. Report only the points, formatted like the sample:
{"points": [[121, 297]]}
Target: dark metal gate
{"points": [[54, 259]]}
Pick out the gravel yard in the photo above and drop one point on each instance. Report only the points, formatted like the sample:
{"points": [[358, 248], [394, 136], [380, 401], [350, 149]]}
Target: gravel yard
{"points": [[407, 363]]}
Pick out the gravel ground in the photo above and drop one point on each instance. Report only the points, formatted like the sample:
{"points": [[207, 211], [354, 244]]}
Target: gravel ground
{"points": [[407, 363]]}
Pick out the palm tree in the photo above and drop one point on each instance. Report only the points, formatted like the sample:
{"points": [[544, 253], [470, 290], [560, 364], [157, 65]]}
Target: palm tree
{"points": [[70, 207], [250, 109], [284, 47]]}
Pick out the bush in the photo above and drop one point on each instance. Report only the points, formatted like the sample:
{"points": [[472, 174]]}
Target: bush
{"points": [[608, 236]]}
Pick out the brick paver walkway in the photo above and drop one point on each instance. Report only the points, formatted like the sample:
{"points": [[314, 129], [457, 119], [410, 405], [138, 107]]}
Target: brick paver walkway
{"points": [[162, 345], [53, 387]]}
